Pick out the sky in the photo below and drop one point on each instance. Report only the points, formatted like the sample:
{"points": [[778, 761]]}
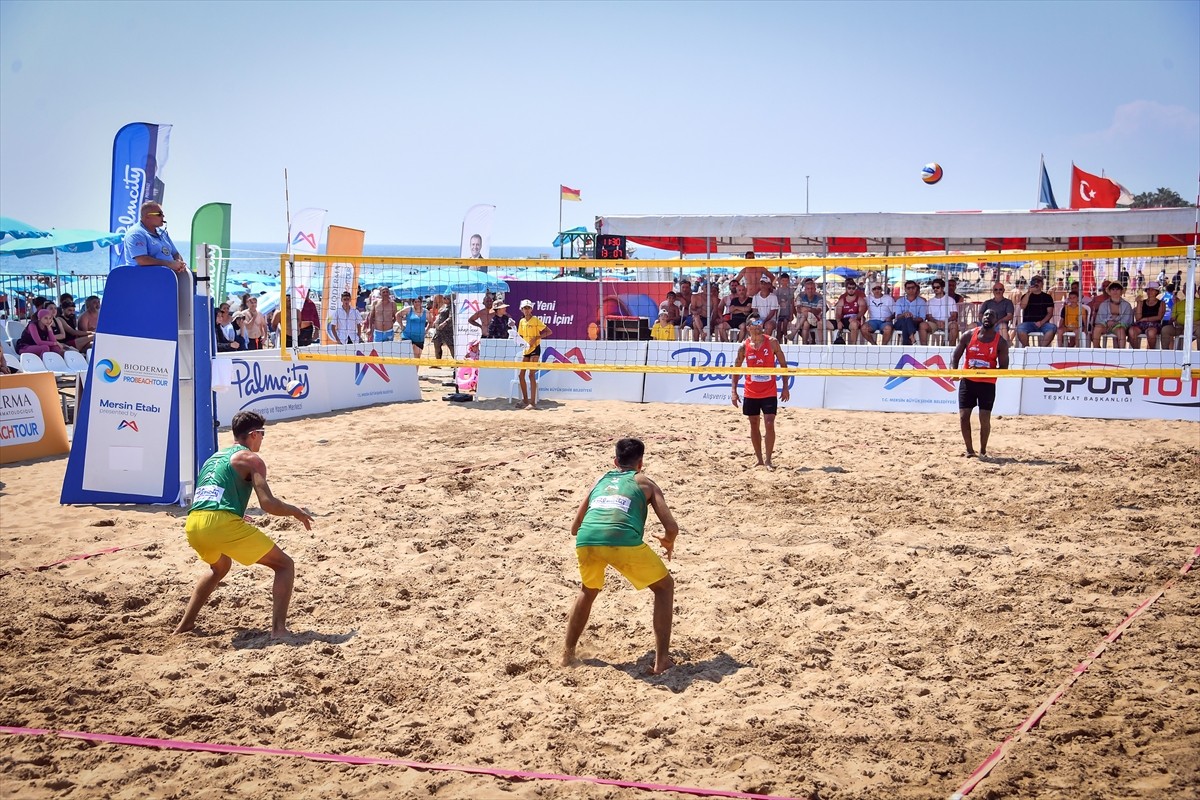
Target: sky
{"points": [[398, 117]]}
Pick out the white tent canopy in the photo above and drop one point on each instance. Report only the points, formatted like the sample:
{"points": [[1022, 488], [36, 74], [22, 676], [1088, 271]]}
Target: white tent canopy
{"points": [[890, 232]]}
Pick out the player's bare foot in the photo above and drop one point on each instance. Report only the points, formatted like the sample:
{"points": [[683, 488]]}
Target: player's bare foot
{"points": [[281, 633], [969, 454], [182, 629], [569, 659], [770, 467], [661, 665]]}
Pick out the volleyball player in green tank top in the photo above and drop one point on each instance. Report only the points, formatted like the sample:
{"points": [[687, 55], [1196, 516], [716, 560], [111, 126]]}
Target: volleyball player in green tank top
{"points": [[217, 531], [608, 530]]}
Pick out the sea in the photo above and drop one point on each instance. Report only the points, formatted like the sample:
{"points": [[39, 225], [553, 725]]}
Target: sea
{"points": [[83, 274]]}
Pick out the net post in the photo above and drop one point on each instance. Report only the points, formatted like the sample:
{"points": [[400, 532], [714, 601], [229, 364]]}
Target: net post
{"points": [[1188, 315]]}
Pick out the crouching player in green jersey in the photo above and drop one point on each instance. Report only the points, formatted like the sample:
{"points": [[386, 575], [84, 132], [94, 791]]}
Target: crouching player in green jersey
{"points": [[218, 532], [608, 529]]}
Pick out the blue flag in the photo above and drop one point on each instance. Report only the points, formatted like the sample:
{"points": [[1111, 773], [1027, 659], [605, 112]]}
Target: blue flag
{"points": [[139, 155], [1047, 194]]}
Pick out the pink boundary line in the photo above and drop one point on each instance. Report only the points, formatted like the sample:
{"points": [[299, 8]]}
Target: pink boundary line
{"points": [[998, 754], [85, 556], [174, 744]]}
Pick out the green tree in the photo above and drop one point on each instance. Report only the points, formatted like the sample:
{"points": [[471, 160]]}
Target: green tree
{"points": [[1160, 198]]}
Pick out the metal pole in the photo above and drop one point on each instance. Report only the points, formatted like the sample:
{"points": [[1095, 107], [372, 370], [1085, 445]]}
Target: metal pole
{"points": [[806, 194]]}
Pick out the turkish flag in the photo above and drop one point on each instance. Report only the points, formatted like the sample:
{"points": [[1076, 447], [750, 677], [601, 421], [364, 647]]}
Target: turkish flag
{"points": [[1092, 191]]}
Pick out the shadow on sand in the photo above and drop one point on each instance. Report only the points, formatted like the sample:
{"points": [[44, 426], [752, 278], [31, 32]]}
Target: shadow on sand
{"points": [[679, 677], [259, 640]]}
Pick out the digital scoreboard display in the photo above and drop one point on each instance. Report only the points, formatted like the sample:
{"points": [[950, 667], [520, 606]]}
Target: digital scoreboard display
{"points": [[610, 247]]}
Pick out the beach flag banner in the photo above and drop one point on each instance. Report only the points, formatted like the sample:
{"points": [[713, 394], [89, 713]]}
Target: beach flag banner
{"points": [[139, 157], [340, 276], [570, 194], [1093, 191], [31, 420], [304, 235], [210, 225], [1045, 191], [477, 232], [126, 447]]}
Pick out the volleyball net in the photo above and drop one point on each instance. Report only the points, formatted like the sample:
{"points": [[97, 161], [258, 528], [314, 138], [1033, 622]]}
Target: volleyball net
{"points": [[834, 316]]}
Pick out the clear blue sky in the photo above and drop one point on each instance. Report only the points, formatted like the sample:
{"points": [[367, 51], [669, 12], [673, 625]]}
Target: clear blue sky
{"points": [[397, 117]]}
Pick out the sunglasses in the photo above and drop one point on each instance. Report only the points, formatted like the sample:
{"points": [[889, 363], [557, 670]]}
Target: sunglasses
{"points": [[154, 213], [259, 431]]}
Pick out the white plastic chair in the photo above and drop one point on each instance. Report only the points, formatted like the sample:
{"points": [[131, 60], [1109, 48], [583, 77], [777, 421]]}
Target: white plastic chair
{"points": [[76, 361], [10, 352], [57, 364], [16, 327], [30, 362]]}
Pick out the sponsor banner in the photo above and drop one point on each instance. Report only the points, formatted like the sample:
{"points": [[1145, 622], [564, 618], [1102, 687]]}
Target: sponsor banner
{"points": [[210, 225], [259, 381], [477, 232], [31, 423], [715, 389], [904, 393], [465, 306], [131, 383], [139, 155], [1110, 398], [355, 385], [578, 384], [340, 276], [572, 309]]}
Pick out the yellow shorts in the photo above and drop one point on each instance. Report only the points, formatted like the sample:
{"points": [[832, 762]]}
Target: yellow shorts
{"points": [[213, 534], [640, 565]]}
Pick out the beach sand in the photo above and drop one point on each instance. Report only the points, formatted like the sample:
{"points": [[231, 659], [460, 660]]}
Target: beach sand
{"points": [[871, 620]]}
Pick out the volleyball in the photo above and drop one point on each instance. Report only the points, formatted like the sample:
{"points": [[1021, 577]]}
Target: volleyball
{"points": [[931, 173], [294, 388]]}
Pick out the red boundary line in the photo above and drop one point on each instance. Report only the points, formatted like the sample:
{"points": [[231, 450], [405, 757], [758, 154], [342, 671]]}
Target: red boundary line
{"points": [[175, 744], [1032, 720]]}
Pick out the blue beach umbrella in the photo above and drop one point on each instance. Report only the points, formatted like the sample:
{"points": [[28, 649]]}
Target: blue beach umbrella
{"points": [[448, 281], [20, 230], [64, 240]]}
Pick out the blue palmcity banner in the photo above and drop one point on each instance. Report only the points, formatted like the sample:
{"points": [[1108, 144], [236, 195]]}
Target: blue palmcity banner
{"points": [[139, 155]]}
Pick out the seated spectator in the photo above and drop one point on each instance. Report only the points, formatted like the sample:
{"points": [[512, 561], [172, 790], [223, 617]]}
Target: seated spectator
{"points": [[1114, 316], [70, 337], [1101, 296], [91, 315], [952, 290], [5, 367], [38, 337], [810, 313], [766, 305], [663, 330], [705, 310], [1172, 332], [1003, 307], [942, 312], [226, 334], [880, 311], [848, 313], [739, 308], [787, 305], [1147, 318], [674, 308], [1073, 319], [911, 311], [1037, 314]]}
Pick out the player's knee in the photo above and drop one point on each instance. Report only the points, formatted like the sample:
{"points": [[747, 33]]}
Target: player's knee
{"points": [[665, 584]]}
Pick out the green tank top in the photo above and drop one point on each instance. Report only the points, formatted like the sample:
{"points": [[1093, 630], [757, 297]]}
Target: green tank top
{"points": [[219, 487], [616, 514]]}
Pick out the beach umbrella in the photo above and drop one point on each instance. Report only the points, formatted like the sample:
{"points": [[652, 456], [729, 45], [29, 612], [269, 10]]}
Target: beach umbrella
{"points": [[448, 281], [845, 272], [20, 230], [61, 240]]}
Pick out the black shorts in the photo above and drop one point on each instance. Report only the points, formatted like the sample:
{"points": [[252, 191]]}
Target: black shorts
{"points": [[768, 406], [972, 393], [737, 320], [537, 353]]}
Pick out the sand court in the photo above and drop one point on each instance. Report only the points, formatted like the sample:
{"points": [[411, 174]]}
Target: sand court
{"points": [[872, 619]]}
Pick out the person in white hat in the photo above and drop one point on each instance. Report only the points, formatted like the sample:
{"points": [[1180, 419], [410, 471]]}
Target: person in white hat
{"points": [[1147, 318], [532, 330]]}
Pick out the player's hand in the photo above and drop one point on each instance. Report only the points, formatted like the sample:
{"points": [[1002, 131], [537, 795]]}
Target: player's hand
{"points": [[785, 395], [668, 544], [304, 517], [736, 399]]}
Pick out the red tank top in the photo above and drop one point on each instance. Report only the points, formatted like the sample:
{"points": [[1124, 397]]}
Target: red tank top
{"points": [[982, 355], [759, 386]]}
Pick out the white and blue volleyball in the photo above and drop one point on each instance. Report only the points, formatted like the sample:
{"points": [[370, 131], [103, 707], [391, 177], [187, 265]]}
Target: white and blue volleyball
{"points": [[931, 173]]}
